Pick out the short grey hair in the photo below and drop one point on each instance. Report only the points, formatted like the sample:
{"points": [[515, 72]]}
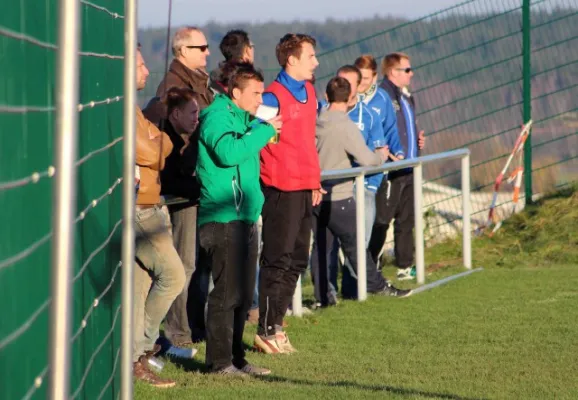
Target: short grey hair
{"points": [[181, 37]]}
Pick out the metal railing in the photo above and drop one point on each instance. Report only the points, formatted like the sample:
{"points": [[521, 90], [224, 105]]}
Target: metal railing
{"points": [[417, 164]]}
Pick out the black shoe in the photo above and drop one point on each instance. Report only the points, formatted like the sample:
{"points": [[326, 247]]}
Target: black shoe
{"points": [[390, 290]]}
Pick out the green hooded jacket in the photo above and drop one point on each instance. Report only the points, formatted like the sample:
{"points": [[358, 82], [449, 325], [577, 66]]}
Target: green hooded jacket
{"points": [[228, 164]]}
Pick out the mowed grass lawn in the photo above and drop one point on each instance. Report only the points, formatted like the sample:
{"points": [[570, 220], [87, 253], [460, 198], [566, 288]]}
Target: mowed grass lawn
{"points": [[507, 332]]}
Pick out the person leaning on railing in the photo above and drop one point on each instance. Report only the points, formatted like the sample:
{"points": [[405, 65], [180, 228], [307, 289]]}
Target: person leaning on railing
{"points": [[177, 114], [394, 199], [339, 141], [159, 274]]}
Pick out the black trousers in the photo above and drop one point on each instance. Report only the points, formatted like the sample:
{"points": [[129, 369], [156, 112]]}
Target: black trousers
{"points": [[394, 199], [287, 224], [337, 219], [230, 251]]}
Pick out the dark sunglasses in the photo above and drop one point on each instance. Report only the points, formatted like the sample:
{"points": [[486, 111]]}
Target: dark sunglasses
{"points": [[406, 70], [203, 48]]}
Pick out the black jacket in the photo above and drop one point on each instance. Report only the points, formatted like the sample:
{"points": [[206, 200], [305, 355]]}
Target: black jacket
{"points": [[177, 178], [407, 130]]}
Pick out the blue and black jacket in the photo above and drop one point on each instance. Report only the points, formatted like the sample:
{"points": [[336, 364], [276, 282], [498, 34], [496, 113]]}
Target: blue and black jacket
{"points": [[404, 107]]}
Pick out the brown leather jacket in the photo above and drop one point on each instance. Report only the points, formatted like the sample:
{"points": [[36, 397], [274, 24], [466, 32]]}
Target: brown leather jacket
{"points": [[181, 76], [150, 158]]}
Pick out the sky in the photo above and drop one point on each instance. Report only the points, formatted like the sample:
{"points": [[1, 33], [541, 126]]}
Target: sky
{"points": [[154, 13]]}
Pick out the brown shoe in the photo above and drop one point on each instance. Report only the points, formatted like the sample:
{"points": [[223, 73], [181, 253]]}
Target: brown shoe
{"points": [[142, 372], [253, 317], [156, 349]]}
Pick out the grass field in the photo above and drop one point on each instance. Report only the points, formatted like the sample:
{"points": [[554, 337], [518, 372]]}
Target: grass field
{"points": [[508, 332]]}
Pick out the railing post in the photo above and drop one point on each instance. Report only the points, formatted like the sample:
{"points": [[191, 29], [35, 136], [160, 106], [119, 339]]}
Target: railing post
{"points": [[297, 302], [64, 205], [418, 211], [527, 94], [128, 200], [360, 227], [466, 213]]}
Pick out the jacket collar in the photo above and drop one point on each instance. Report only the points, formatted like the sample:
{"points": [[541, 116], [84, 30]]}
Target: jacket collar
{"points": [[390, 86], [198, 79]]}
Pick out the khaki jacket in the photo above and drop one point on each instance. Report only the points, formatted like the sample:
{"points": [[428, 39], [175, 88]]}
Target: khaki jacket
{"points": [[150, 158]]}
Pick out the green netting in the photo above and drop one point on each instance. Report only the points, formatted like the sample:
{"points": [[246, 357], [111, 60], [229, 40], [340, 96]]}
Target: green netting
{"points": [[28, 35]]}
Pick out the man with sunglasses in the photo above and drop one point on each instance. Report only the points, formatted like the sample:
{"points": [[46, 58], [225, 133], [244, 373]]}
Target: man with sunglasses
{"points": [[394, 199], [188, 68]]}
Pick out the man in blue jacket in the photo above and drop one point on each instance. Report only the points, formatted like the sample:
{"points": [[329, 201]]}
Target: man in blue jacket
{"points": [[394, 198]]}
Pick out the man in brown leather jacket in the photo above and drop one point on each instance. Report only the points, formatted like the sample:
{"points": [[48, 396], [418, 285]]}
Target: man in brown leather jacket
{"points": [[188, 68], [159, 275]]}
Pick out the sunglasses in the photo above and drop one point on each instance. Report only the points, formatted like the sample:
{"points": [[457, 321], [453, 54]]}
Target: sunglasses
{"points": [[203, 47], [406, 70]]}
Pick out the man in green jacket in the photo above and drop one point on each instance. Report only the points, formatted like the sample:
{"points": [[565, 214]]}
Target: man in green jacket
{"points": [[230, 204]]}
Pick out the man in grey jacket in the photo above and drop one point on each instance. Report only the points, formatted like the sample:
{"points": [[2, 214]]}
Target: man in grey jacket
{"points": [[338, 143]]}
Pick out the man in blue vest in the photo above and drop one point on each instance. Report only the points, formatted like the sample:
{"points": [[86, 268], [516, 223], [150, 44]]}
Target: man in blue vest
{"points": [[394, 199]]}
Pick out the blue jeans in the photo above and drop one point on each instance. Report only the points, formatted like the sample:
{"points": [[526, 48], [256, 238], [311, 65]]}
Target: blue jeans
{"points": [[370, 211]]}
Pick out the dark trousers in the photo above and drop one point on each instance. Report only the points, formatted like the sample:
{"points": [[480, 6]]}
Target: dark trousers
{"points": [[184, 226], [336, 219], [230, 251], [287, 223], [398, 205]]}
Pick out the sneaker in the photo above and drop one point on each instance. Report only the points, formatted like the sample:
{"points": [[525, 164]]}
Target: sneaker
{"points": [[267, 344], [141, 372], [232, 371], [406, 274], [390, 290], [284, 343], [253, 370]]}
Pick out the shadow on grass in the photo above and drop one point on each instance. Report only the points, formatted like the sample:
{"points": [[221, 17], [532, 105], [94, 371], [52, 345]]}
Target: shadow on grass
{"points": [[369, 388]]}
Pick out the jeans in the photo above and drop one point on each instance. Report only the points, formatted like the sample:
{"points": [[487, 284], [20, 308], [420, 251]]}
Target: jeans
{"points": [[336, 219], [287, 225], [184, 222], [370, 211], [159, 277], [230, 252]]}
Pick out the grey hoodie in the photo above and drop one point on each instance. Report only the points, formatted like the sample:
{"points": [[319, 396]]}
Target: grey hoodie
{"points": [[339, 141]]}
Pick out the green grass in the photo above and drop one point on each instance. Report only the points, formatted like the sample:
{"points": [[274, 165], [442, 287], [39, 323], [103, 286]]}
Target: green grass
{"points": [[507, 332]]}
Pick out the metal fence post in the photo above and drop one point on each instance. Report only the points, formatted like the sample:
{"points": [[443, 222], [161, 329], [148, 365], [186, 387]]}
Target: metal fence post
{"points": [[466, 213], [64, 194], [297, 304], [419, 226], [128, 203], [527, 93], [360, 227]]}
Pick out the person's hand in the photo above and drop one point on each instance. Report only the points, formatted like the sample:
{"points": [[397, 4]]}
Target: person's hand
{"points": [[421, 140], [318, 195], [276, 123], [383, 152]]}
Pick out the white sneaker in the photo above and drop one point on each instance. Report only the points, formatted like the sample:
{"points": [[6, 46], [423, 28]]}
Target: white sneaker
{"points": [[405, 274]]}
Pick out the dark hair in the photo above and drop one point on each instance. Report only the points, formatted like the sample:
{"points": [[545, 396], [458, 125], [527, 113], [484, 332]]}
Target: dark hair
{"points": [[235, 74], [292, 45], [366, 61], [178, 98], [338, 90], [233, 44], [350, 69]]}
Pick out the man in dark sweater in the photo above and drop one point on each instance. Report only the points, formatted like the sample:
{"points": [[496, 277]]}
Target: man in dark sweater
{"points": [[338, 143]]}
